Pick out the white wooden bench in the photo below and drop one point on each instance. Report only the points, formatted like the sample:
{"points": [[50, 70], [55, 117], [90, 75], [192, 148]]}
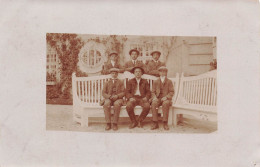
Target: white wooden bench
{"points": [[197, 96], [87, 93]]}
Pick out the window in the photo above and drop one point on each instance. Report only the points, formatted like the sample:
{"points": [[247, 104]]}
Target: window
{"points": [[51, 68], [92, 57]]}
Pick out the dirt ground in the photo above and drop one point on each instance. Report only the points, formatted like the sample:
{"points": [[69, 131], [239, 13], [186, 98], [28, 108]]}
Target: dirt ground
{"points": [[59, 118]]}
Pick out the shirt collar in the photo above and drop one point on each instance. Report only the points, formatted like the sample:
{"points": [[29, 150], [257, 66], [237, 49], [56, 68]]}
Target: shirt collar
{"points": [[162, 78], [138, 80], [113, 62]]}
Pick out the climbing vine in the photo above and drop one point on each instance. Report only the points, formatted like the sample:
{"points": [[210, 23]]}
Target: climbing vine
{"points": [[67, 47]]}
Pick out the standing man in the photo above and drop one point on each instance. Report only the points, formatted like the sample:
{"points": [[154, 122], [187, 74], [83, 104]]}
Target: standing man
{"points": [[137, 93], [113, 92], [134, 53], [162, 94], [112, 63], [153, 65]]}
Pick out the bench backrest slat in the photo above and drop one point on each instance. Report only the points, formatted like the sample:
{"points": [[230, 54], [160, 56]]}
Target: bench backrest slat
{"points": [[88, 90], [198, 90]]}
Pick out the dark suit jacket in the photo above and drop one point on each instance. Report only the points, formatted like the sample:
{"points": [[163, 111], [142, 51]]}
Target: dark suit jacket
{"points": [[152, 67], [143, 87], [168, 89], [108, 88], [108, 65], [129, 65]]}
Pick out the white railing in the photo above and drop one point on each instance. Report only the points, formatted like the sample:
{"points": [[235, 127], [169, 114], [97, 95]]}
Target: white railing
{"points": [[198, 91], [88, 90]]}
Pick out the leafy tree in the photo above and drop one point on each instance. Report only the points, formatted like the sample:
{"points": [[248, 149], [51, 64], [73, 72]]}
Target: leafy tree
{"points": [[67, 47]]}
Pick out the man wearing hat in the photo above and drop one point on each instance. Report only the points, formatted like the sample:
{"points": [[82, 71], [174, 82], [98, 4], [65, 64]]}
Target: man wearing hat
{"points": [[162, 94], [112, 63], [134, 53], [113, 92], [153, 65], [137, 93]]}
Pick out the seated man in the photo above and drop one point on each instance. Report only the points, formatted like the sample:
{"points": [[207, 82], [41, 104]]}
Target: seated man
{"points": [[153, 65], [113, 92], [137, 93], [162, 94], [112, 63], [134, 53]]}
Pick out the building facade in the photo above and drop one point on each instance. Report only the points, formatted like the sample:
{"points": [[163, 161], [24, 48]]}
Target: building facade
{"points": [[190, 55]]}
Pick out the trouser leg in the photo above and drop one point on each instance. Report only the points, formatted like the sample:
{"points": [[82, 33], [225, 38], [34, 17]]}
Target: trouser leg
{"points": [[130, 110], [117, 106], [154, 108], [146, 108], [107, 110], [165, 108]]}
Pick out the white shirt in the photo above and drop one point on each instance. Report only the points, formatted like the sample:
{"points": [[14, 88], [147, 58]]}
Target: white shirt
{"points": [[134, 62], [137, 89], [113, 63], [156, 61], [162, 78], [113, 80]]}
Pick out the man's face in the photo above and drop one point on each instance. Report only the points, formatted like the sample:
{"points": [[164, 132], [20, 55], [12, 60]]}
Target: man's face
{"points": [[156, 56], [138, 73], [113, 57], [114, 74], [163, 73], [134, 55]]}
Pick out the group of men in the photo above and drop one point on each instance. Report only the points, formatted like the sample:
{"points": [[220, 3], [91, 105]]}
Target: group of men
{"points": [[151, 67], [137, 91]]}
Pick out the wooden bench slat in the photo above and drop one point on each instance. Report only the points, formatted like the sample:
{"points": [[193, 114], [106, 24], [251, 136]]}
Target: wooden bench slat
{"points": [[197, 96]]}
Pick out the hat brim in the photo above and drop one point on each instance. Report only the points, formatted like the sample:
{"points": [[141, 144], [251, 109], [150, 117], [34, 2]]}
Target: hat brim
{"points": [[164, 69], [134, 50], [156, 52], [133, 69], [114, 53]]}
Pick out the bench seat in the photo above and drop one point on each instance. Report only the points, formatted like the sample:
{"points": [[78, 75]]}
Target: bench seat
{"points": [[87, 93]]}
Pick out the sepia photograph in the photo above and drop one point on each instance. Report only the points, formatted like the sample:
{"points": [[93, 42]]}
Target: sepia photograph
{"points": [[131, 83]]}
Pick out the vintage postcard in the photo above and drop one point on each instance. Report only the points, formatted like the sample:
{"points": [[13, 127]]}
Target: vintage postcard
{"points": [[130, 83]]}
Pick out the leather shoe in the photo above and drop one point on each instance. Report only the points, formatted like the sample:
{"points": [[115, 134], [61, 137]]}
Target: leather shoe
{"points": [[115, 127], [165, 126], [140, 124], [155, 126], [108, 127], [133, 125]]}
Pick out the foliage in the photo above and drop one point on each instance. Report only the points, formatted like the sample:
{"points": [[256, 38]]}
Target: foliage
{"points": [[67, 47], [50, 77], [213, 64], [53, 91]]}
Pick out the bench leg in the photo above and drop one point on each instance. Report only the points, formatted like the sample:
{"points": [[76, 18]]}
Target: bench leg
{"points": [[170, 117], [180, 118], [175, 119], [84, 119]]}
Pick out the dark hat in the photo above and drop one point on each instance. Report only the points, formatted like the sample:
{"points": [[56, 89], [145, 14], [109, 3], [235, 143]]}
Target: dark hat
{"points": [[156, 51], [134, 50], [162, 68], [113, 52], [133, 69], [114, 70]]}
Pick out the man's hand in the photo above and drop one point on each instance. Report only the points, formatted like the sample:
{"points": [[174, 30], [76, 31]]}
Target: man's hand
{"points": [[155, 99], [164, 98], [115, 97], [145, 99], [132, 99]]}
